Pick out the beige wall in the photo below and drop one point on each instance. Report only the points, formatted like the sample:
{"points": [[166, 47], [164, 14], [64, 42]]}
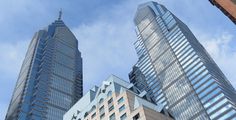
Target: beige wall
{"points": [[145, 113]]}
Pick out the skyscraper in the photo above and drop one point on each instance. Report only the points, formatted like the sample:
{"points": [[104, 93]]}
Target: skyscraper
{"points": [[50, 79], [178, 71]]}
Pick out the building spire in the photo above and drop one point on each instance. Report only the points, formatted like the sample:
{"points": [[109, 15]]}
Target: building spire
{"points": [[60, 14]]}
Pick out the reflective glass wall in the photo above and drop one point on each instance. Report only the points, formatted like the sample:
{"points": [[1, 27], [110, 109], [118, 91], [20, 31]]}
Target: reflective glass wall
{"points": [[179, 72], [50, 80]]}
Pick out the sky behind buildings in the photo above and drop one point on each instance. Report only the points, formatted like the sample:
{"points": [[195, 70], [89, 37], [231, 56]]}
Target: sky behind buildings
{"points": [[105, 31]]}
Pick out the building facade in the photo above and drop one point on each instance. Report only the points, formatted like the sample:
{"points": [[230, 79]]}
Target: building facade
{"points": [[50, 79], [116, 99], [178, 71], [228, 7], [138, 79]]}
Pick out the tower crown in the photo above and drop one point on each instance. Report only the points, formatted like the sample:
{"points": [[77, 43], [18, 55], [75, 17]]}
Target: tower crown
{"points": [[60, 14]]}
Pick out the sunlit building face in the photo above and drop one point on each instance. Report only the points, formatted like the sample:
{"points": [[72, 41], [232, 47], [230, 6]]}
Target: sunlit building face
{"points": [[178, 71]]}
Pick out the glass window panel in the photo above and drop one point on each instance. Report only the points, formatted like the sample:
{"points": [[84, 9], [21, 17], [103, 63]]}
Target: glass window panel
{"points": [[167, 14], [196, 73], [122, 108], [204, 85], [220, 111], [213, 100], [177, 90], [188, 59], [219, 104], [194, 68], [178, 38], [188, 53], [170, 74], [64, 59], [111, 108], [200, 76], [183, 50], [93, 115], [65, 49], [62, 84], [121, 100], [227, 115], [200, 81], [208, 90], [123, 117], [172, 34], [171, 24], [112, 117], [198, 66], [181, 47], [168, 19], [102, 109], [179, 44], [110, 101], [213, 93], [60, 99], [172, 39], [63, 71]]}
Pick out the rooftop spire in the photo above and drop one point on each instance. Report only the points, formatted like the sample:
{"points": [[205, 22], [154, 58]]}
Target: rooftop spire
{"points": [[60, 13]]}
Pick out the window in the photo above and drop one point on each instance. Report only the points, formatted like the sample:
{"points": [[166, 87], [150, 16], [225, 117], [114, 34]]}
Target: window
{"points": [[93, 108], [111, 108], [109, 94], [86, 114], [123, 117], [102, 116], [120, 100], [122, 108], [101, 101], [136, 117], [101, 110], [93, 115], [112, 116], [110, 101]]}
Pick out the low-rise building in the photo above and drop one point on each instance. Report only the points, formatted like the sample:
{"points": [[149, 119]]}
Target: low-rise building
{"points": [[116, 99]]}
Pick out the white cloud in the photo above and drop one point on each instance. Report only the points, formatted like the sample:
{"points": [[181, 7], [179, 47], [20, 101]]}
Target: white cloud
{"points": [[107, 48], [11, 57], [221, 50]]}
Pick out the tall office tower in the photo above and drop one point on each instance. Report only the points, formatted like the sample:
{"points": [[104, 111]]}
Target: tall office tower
{"points": [[179, 72], [50, 79], [228, 7]]}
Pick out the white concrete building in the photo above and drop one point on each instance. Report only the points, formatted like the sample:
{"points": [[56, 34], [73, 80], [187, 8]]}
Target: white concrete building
{"points": [[116, 99]]}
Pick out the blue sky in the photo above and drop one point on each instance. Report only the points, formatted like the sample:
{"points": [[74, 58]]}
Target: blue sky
{"points": [[105, 31]]}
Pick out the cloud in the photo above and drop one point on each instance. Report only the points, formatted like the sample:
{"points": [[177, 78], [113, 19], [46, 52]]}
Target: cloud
{"points": [[221, 50], [11, 56], [107, 48]]}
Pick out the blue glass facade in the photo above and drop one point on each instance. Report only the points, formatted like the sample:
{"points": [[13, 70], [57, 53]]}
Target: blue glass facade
{"points": [[138, 79], [178, 71], [50, 79]]}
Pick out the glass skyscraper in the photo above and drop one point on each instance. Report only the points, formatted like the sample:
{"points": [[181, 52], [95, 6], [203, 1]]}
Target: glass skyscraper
{"points": [[50, 79], [178, 71]]}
